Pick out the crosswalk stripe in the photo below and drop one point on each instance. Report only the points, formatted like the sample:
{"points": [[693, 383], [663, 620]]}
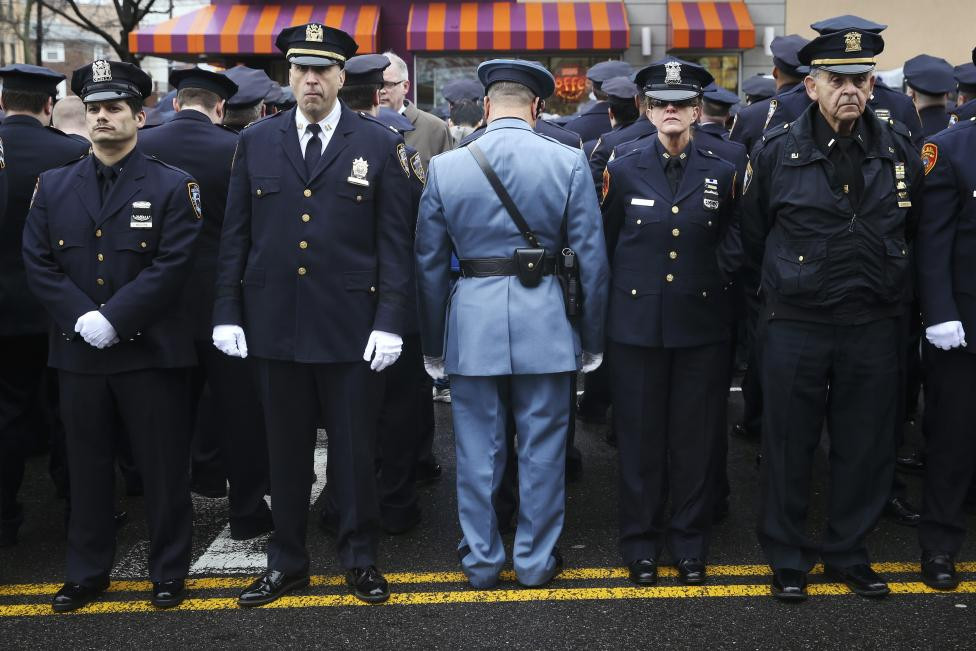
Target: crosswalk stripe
{"points": [[479, 596], [398, 578]]}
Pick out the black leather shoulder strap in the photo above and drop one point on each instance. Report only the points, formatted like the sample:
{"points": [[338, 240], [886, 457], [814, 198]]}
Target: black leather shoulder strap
{"points": [[506, 199]]}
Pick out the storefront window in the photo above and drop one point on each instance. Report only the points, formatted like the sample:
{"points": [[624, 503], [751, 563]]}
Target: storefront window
{"points": [[724, 67], [432, 72]]}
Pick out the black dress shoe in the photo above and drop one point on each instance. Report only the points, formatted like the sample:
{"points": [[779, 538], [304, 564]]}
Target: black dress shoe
{"points": [[167, 594], [368, 584], [556, 569], [643, 571], [691, 571], [913, 463], [789, 585], [272, 585], [939, 571], [73, 596], [428, 472], [740, 431], [861, 579], [899, 510]]}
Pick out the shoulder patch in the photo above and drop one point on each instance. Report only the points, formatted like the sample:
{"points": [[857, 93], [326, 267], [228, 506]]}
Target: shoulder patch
{"points": [[747, 178], [402, 155], [193, 190], [930, 154], [417, 166], [606, 184]]}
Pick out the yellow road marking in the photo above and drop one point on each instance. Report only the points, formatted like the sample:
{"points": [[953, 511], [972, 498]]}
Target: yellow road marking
{"points": [[397, 578], [478, 596]]}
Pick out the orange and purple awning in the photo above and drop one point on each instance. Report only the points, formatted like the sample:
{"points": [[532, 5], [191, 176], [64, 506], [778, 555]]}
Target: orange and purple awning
{"points": [[710, 26], [251, 29], [524, 26]]}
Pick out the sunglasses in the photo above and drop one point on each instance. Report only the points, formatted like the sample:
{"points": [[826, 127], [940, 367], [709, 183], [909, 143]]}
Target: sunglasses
{"points": [[684, 103]]}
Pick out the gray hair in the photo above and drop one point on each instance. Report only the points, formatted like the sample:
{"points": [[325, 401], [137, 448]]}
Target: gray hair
{"points": [[399, 64], [510, 93]]}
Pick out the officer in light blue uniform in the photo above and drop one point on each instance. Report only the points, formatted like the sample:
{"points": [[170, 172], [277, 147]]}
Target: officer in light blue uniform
{"points": [[503, 337]]}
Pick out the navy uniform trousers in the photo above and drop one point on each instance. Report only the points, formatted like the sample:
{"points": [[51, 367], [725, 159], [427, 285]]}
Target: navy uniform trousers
{"points": [[860, 365]]}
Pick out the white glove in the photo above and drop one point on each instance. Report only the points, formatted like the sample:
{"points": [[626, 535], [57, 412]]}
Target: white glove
{"points": [[435, 367], [946, 335], [591, 362], [387, 347], [95, 329], [229, 339]]}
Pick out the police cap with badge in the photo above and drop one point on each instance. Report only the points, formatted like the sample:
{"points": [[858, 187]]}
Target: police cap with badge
{"points": [[103, 81], [847, 22], [315, 44], [929, 75], [673, 80], [33, 79], [215, 82], [844, 52], [530, 74]]}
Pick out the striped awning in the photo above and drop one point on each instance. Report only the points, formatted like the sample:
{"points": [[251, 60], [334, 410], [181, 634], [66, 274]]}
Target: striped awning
{"points": [[515, 27], [710, 26], [251, 29]]}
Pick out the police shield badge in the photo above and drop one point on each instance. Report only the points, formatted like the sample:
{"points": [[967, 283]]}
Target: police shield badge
{"points": [[418, 168], [359, 170], [193, 190], [101, 71], [402, 155], [141, 215]]}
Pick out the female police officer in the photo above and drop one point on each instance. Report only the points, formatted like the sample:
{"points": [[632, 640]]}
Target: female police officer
{"points": [[667, 207]]}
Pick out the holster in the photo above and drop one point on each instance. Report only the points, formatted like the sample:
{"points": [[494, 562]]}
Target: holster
{"points": [[530, 264], [567, 270]]}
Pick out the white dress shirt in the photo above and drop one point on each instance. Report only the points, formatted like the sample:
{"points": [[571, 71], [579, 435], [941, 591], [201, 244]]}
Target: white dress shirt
{"points": [[328, 125]]}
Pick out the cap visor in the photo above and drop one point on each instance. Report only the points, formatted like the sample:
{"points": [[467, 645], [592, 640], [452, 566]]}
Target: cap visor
{"points": [[305, 60], [107, 95], [671, 95], [849, 69]]}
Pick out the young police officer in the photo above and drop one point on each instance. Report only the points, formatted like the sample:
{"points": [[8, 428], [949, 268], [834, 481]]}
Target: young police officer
{"points": [[108, 246]]}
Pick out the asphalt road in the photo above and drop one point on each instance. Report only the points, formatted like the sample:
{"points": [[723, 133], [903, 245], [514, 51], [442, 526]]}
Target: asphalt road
{"points": [[591, 605]]}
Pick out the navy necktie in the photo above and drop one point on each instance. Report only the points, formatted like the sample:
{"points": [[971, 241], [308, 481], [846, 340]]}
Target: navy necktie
{"points": [[313, 150]]}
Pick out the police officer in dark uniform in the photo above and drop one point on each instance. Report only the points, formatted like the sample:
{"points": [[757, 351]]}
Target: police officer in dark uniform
{"points": [[29, 148], [759, 86], [929, 79], [623, 108], [946, 258], [248, 103], [965, 75], [667, 207], [717, 106], [314, 267], [230, 444], [593, 120], [827, 215], [108, 249]]}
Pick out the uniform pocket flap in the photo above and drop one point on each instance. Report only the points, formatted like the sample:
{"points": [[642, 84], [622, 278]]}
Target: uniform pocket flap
{"points": [[801, 252], [140, 242], [895, 247], [264, 185]]}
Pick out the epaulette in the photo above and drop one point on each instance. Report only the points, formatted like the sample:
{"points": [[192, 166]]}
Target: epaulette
{"points": [[369, 118], [153, 158], [899, 128], [266, 117], [227, 128], [776, 131]]}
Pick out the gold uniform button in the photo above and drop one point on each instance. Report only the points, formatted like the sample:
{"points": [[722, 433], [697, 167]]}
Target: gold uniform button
{"points": [[306, 217], [709, 223], [372, 290], [303, 244], [259, 192], [904, 252], [704, 294], [98, 232], [60, 242], [302, 271], [673, 255], [674, 209], [633, 292], [143, 245], [359, 198], [101, 258], [99, 281], [669, 278], [675, 232], [307, 192], [638, 222], [800, 258]]}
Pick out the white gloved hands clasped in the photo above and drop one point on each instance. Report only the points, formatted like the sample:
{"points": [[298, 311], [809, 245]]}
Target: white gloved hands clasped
{"points": [[591, 361], [435, 367], [229, 339], [386, 346], [946, 336], [95, 329]]}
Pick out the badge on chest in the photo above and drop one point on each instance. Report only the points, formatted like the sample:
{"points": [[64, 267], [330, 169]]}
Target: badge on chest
{"points": [[141, 216], [710, 200], [360, 168]]}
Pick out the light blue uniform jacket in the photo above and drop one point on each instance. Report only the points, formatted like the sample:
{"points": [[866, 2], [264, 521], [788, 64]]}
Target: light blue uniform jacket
{"points": [[496, 326]]}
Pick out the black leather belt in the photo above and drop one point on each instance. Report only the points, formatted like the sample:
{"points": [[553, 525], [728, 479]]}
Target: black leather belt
{"points": [[486, 267]]}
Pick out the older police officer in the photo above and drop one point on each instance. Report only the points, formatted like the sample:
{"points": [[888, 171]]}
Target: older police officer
{"points": [[314, 264], [826, 216], [503, 335], [108, 248], [667, 207]]}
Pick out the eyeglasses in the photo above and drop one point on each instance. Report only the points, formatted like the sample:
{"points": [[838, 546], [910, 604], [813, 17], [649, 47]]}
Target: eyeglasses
{"points": [[684, 103], [388, 85]]}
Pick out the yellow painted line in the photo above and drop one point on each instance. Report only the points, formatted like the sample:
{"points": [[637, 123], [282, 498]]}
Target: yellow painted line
{"points": [[478, 597], [399, 578]]}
